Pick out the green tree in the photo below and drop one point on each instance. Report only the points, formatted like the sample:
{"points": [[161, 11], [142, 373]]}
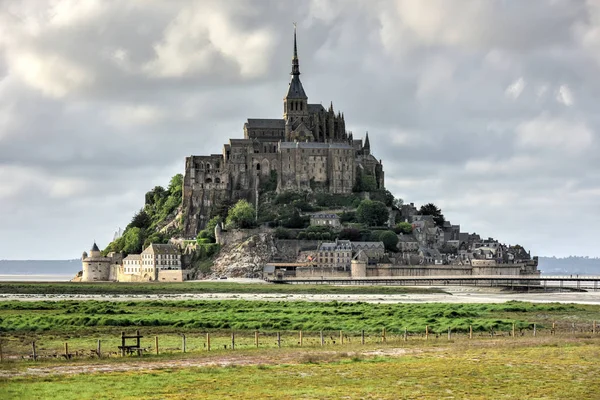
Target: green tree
{"points": [[133, 239], [176, 185], [141, 220], [372, 213], [404, 227], [241, 215], [389, 239], [435, 212]]}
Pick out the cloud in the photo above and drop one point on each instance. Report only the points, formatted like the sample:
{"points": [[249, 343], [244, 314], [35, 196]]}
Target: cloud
{"points": [[559, 135], [515, 89], [487, 108]]}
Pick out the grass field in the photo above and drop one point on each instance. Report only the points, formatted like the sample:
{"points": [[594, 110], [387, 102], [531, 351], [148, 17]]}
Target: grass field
{"points": [[108, 288], [82, 323], [519, 369]]}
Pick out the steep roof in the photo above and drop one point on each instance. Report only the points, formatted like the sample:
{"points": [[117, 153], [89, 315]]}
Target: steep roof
{"points": [[266, 123], [295, 89], [315, 108], [155, 248], [95, 247]]}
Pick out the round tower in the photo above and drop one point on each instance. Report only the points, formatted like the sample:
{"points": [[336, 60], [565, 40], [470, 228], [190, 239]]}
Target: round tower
{"points": [[94, 266]]}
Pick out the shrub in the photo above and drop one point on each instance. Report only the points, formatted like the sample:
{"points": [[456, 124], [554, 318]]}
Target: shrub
{"points": [[372, 213]]}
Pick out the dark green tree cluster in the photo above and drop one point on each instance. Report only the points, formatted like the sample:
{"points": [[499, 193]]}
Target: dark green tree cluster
{"points": [[434, 211], [372, 213]]}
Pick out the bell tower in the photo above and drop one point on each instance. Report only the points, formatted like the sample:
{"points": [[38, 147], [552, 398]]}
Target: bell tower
{"points": [[295, 102]]}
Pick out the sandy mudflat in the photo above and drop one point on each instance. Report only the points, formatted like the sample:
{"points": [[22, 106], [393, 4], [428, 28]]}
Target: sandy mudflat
{"points": [[459, 294]]}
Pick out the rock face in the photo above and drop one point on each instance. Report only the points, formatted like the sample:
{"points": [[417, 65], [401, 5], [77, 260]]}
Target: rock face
{"points": [[246, 258]]}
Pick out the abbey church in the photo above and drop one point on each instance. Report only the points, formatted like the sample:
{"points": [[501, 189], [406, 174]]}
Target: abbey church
{"points": [[307, 149]]}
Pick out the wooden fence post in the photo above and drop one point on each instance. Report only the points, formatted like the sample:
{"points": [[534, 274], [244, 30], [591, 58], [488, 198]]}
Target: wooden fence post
{"points": [[183, 342], [138, 346], [513, 330], [426, 332], [99, 349], [322, 340], [341, 337], [207, 341], [232, 340], [383, 335], [256, 338], [594, 327], [470, 331], [278, 339], [405, 334], [449, 334], [553, 328], [534, 330], [362, 337], [573, 328], [33, 350], [156, 344], [66, 350], [300, 338], [122, 344]]}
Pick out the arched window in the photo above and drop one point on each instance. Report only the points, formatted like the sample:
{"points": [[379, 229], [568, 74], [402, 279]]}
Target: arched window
{"points": [[208, 180], [207, 166], [217, 180], [258, 167]]}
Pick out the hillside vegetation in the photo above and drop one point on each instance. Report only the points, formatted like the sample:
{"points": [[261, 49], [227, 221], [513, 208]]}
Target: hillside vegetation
{"points": [[161, 207]]}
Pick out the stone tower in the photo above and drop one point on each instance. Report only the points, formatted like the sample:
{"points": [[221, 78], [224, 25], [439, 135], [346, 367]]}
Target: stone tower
{"points": [[295, 102]]}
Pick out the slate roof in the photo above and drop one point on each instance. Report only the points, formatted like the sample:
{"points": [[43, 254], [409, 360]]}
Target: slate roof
{"points": [[266, 123], [325, 216], [295, 89], [367, 245], [161, 249], [133, 257], [337, 245], [315, 108], [95, 247]]}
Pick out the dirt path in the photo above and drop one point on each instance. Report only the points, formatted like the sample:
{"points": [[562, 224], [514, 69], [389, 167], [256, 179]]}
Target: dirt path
{"points": [[212, 361]]}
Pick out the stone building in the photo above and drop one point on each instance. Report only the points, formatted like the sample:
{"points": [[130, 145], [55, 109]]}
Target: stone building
{"points": [[96, 267], [308, 148], [160, 257], [332, 220], [336, 254]]}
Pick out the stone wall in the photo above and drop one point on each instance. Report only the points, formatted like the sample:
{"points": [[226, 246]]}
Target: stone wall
{"points": [[425, 270], [172, 276], [309, 272]]}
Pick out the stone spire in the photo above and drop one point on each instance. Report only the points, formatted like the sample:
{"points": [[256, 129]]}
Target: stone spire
{"points": [[295, 90], [367, 145]]}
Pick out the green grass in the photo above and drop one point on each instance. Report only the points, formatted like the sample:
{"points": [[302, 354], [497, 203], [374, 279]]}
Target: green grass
{"points": [[82, 323], [122, 288], [524, 371]]}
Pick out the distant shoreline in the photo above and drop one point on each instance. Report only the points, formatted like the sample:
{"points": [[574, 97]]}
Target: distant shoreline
{"points": [[36, 277]]}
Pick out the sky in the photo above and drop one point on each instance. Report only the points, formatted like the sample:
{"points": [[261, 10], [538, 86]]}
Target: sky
{"points": [[488, 108]]}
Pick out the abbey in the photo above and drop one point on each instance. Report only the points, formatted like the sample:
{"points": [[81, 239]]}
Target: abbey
{"points": [[307, 149]]}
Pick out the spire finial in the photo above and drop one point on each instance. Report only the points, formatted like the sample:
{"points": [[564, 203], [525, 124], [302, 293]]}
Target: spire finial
{"points": [[295, 63], [295, 45]]}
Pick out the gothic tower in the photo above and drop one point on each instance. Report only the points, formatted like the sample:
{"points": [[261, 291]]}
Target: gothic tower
{"points": [[295, 102]]}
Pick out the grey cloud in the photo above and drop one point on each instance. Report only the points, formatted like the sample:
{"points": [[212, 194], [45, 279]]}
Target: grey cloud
{"points": [[429, 82]]}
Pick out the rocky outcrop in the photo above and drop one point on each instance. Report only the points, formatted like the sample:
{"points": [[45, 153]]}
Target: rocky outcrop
{"points": [[246, 258]]}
